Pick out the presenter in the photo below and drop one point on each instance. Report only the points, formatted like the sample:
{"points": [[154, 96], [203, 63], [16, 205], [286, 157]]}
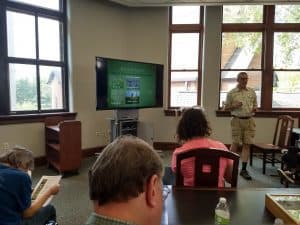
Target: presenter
{"points": [[241, 102]]}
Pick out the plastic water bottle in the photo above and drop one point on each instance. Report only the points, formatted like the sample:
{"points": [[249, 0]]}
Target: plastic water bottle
{"points": [[278, 221], [222, 214], [164, 217]]}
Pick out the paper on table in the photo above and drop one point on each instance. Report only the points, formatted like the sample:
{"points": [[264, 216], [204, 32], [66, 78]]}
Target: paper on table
{"points": [[43, 185]]}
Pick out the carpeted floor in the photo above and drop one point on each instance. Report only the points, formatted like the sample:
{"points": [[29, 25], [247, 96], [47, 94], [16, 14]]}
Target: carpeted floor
{"points": [[73, 205]]}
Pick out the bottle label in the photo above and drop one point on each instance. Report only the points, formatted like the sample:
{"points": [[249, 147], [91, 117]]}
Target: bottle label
{"points": [[221, 220]]}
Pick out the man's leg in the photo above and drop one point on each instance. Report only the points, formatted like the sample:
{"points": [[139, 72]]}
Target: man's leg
{"points": [[42, 216], [238, 135], [245, 156], [247, 139], [234, 147]]}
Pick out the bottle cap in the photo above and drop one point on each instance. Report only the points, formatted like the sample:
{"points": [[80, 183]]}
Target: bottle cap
{"points": [[222, 200]]}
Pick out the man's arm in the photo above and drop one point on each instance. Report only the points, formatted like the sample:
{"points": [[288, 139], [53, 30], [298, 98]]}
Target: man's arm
{"points": [[39, 202], [254, 109], [234, 105], [230, 104]]}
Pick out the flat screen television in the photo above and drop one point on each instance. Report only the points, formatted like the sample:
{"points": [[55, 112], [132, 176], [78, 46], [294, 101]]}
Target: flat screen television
{"points": [[123, 84]]}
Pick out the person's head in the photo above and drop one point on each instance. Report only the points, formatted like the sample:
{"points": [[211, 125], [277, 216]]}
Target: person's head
{"points": [[124, 171], [242, 79], [192, 124], [18, 158]]}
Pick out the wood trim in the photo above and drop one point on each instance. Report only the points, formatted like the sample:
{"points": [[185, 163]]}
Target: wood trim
{"points": [[40, 161], [88, 152], [246, 27], [173, 112], [186, 28], [169, 59], [260, 113], [34, 118], [264, 113], [165, 146]]}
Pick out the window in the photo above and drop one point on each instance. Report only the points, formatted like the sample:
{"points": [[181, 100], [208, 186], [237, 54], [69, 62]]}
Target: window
{"points": [[33, 75], [264, 41], [185, 55]]}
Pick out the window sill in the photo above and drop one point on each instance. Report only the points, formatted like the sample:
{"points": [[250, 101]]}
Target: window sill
{"points": [[260, 113], [33, 118], [264, 113], [173, 112]]}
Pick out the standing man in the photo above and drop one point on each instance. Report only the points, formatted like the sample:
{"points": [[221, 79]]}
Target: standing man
{"points": [[242, 103], [125, 184]]}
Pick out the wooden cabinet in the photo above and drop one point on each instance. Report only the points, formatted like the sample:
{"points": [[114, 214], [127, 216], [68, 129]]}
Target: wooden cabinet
{"points": [[63, 143]]}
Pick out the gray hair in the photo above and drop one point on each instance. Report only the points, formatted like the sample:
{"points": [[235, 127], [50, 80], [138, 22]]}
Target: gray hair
{"points": [[122, 170], [17, 157]]}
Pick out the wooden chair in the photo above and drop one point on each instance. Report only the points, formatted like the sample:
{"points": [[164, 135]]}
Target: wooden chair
{"points": [[281, 139], [211, 157]]}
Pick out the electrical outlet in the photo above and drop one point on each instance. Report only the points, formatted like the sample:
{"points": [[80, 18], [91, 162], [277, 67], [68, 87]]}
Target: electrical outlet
{"points": [[5, 146], [100, 133]]}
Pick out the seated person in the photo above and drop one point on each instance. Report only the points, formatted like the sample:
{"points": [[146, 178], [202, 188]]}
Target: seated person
{"points": [[291, 163], [15, 191], [193, 131], [125, 184]]}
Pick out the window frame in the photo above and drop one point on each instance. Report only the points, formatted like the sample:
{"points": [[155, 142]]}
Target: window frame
{"points": [[5, 60], [186, 28], [268, 28]]}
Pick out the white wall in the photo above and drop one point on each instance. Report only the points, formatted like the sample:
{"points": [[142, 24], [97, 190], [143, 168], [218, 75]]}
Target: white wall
{"points": [[100, 28]]}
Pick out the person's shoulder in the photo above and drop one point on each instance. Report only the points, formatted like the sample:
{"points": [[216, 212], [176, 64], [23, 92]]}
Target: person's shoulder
{"points": [[250, 89], [190, 144], [217, 144], [18, 174], [180, 149], [233, 90]]}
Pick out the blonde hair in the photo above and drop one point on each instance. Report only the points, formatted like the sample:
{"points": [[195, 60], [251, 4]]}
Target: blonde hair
{"points": [[17, 157]]}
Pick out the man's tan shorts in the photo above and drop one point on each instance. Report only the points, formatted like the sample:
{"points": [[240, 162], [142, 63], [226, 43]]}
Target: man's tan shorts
{"points": [[243, 130]]}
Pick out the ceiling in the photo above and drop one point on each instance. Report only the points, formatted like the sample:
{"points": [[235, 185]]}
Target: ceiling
{"points": [[152, 3]]}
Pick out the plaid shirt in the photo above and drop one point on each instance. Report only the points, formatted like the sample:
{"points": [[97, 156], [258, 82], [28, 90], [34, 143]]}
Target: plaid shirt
{"points": [[96, 219]]}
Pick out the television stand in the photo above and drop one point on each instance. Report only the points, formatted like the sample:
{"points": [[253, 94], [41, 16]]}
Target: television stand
{"points": [[123, 127]]}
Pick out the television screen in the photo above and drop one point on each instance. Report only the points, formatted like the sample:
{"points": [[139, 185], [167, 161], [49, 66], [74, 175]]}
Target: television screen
{"points": [[123, 84]]}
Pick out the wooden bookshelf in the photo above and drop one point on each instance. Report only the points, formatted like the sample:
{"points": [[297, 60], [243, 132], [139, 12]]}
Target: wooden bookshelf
{"points": [[63, 143]]}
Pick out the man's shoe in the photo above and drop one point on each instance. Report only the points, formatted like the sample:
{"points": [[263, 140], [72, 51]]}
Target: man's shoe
{"points": [[245, 174]]}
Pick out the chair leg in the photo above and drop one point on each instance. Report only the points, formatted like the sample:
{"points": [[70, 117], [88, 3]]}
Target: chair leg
{"points": [[264, 163], [286, 184]]}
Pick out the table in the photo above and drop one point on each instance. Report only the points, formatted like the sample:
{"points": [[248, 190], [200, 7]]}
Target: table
{"points": [[196, 206]]}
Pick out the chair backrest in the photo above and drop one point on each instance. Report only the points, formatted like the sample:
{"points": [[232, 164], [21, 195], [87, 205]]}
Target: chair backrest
{"points": [[204, 157], [283, 131]]}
